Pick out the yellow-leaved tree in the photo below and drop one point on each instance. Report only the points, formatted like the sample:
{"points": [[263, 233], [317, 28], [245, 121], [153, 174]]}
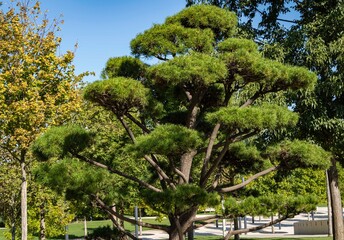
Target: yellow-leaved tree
{"points": [[38, 86]]}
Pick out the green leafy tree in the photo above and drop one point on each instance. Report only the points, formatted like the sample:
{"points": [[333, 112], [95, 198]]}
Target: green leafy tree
{"points": [[9, 195], [208, 93], [81, 183], [38, 87], [48, 213]]}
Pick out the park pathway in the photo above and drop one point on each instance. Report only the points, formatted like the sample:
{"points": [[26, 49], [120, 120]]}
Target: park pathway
{"points": [[284, 230]]}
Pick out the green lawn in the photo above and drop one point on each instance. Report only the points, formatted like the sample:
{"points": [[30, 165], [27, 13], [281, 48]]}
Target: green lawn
{"points": [[76, 230], [2, 233], [243, 237]]}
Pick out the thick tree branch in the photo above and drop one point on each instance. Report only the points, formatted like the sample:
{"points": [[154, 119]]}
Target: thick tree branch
{"points": [[112, 170], [215, 146], [161, 58], [120, 228], [180, 174], [206, 218], [252, 99], [210, 149], [127, 128], [151, 161], [231, 233], [204, 180], [193, 108], [243, 137], [286, 20], [186, 164], [188, 95], [243, 184], [180, 231], [124, 218], [160, 171], [138, 123]]}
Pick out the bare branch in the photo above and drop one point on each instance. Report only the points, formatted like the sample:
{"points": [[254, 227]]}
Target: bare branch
{"points": [[112, 170], [215, 164], [206, 218], [120, 228], [160, 171], [127, 128], [138, 123], [124, 218], [210, 149], [286, 20], [243, 137], [151, 161], [243, 184], [231, 233]]}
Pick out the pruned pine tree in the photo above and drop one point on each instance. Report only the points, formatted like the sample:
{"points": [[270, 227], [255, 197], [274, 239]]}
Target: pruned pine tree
{"points": [[305, 33], [187, 114]]}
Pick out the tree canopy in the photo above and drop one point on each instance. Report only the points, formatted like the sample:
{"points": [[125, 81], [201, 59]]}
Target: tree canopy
{"points": [[211, 87]]}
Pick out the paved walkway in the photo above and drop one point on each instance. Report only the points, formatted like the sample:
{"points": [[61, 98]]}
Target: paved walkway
{"points": [[284, 230]]}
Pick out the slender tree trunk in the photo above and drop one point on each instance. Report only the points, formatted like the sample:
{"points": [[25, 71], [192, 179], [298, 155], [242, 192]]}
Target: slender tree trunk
{"points": [[329, 205], [85, 227], [236, 227], [23, 201], [337, 210], [42, 222], [13, 217], [13, 230], [191, 232]]}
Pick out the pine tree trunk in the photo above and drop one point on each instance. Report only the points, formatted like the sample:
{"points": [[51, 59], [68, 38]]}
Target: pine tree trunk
{"points": [[23, 201], [337, 210], [174, 236], [185, 223]]}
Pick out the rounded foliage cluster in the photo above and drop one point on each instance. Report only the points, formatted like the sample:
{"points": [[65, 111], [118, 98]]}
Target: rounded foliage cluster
{"points": [[118, 94], [168, 140]]}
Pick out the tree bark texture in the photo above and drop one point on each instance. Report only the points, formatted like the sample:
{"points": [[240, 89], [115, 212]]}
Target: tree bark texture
{"points": [[42, 222], [23, 201], [337, 209], [236, 227], [182, 224]]}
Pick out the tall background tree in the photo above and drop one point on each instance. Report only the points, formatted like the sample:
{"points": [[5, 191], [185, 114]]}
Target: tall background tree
{"points": [[305, 33], [204, 103], [38, 87]]}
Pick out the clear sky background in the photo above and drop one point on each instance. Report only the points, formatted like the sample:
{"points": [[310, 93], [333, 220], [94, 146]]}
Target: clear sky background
{"points": [[104, 28]]}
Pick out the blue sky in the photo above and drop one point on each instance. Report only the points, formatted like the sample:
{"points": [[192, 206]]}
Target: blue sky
{"points": [[104, 28]]}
